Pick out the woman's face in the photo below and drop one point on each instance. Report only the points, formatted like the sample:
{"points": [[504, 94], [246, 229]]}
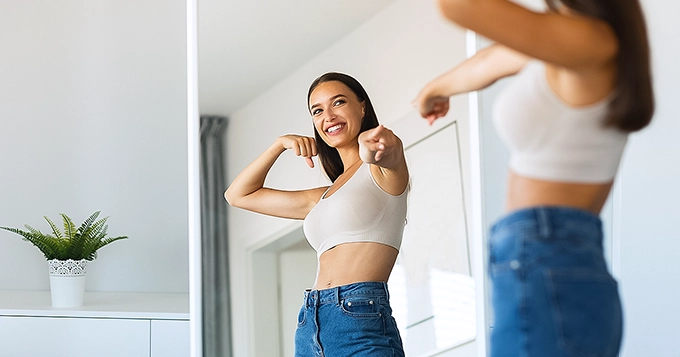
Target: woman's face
{"points": [[337, 113]]}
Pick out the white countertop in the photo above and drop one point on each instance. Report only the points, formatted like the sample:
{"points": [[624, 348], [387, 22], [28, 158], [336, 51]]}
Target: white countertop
{"points": [[157, 306]]}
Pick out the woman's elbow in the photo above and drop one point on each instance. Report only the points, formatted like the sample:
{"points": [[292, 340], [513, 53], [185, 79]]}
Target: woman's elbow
{"points": [[230, 197], [453, 10]]}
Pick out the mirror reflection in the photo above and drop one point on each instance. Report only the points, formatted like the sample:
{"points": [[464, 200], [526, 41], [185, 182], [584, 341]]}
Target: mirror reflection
{"points": [[388, 48]]}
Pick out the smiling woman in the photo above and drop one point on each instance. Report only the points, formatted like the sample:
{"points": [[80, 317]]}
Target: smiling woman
{"points": [[356, 232]]}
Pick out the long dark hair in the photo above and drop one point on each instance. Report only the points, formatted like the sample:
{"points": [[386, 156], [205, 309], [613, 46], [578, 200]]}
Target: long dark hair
{"points": [[632, 106], [329, 157]]}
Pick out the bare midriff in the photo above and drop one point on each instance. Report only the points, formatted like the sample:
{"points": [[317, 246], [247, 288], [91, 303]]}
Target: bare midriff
{"points": [[355, 262], [524, 192]]}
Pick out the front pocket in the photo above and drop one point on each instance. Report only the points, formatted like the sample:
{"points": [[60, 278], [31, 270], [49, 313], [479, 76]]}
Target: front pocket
{"points": [[586, 312], [360, 307], [301, 316]]}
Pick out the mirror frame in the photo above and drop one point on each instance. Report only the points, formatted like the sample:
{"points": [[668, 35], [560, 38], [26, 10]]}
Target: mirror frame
{"points": [[477, 232], [194, 203]]}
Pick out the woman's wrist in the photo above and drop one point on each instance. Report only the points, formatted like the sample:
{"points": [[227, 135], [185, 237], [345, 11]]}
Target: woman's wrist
{"points": [[278, 147]]}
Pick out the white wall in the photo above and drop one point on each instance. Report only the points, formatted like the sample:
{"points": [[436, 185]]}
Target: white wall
{"points": [[392, 55], [297, 267], [93, 111], [647, 210], [641, 215]]}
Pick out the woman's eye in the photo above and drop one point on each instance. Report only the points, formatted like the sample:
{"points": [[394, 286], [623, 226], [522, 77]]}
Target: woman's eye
{"points": [[339, 102], [316, 112]]}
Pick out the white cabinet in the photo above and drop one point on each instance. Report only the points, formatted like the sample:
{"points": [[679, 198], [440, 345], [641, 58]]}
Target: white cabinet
{"points": [[170, 338], [74, 337], [109, 324]]}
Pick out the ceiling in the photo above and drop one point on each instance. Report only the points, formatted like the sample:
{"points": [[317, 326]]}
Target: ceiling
{"points": [[246, 46]]}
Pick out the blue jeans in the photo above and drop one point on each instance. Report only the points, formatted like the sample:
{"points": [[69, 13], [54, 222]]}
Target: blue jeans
{"points": [[350, 320], [552, 294]]}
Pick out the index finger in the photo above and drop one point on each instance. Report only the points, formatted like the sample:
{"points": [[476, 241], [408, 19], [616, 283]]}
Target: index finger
{"points": [[377, 131]]}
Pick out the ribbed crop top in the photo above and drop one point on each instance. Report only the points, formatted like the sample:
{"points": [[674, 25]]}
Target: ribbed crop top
{"points": [[359, 211], [550, 140]]}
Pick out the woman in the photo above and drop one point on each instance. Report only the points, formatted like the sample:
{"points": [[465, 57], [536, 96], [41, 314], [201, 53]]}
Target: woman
{"points": [[355, 225], [583, 83]]}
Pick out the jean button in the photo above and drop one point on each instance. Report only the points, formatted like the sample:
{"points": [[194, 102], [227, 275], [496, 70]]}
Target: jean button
{"points": [[514, 265]]}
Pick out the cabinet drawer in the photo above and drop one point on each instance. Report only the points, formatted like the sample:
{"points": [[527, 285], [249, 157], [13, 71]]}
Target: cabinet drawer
{"points": [[73, 337], [170, 338]]}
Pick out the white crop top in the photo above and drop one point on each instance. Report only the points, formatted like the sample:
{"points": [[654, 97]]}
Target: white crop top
{"points": [[359, 211], [550, 140]]}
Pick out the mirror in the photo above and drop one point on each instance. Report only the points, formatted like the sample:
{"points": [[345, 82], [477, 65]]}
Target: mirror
{"points": [[256, 60]]}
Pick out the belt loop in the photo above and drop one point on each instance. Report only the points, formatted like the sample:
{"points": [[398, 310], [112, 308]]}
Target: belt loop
{"points": [[387, 291], [543, 219], [337, 296]]}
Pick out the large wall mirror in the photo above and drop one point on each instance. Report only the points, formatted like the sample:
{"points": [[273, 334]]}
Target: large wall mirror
{"points": [[255, 62]]}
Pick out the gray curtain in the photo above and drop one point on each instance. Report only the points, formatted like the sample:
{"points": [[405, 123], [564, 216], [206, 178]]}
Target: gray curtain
{"points": [[215, 242]]}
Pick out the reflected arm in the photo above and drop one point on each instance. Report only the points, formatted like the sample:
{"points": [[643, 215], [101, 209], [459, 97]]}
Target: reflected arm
{"points": [[247, 191]]}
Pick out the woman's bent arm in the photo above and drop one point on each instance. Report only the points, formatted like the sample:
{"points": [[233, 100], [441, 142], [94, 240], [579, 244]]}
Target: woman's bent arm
{"points": [[247, 191], [385, 151]]}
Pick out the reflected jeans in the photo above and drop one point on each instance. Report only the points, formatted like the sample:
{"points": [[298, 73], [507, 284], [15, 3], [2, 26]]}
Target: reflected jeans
{"points": [[350, 320], [552, 293]]}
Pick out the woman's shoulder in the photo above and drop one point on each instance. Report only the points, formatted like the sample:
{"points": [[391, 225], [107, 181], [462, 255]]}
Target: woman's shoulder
{"points": [[392, 182]]}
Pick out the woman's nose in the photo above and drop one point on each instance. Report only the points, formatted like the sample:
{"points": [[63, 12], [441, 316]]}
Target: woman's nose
{"points": [[330, 115]]}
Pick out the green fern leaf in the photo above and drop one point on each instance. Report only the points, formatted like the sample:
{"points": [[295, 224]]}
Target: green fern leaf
{"points": [[88, 223], [69, 227], [76, 244], [48, 245], [55, 230]]}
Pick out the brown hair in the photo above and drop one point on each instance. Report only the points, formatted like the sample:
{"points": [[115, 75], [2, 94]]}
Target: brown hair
{"points": [[328, 156], [632, 106]]}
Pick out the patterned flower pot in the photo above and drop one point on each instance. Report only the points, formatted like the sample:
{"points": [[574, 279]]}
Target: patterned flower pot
{"points": [[67, 282]]}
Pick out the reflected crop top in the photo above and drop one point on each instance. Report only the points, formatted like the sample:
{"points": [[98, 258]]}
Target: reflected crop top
{"points": [[359, 211], [550, 140]]}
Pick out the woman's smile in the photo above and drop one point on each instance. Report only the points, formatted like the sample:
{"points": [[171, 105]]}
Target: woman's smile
{"points": [[335, 129]]}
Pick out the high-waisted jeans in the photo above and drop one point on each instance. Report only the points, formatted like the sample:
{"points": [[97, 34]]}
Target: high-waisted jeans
{"points": [[552, 294], [350, 320]]}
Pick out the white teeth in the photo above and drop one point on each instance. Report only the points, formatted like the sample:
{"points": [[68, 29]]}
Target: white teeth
{"points": [[334, 128]]}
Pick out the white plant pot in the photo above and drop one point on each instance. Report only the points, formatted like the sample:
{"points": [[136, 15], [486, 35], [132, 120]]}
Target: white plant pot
{"points": [[67, 282]]}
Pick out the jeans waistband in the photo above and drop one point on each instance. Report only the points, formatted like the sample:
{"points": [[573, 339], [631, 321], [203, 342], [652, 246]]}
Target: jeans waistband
{"points": [[548, 219], [338, 293]]}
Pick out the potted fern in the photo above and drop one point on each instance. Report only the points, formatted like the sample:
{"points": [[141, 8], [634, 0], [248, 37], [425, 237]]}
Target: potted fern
{"points": [[67, 254]]}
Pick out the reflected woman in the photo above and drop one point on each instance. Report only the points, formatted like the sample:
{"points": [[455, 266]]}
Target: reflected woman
{"points": [[583, 84], [355, 225]]}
